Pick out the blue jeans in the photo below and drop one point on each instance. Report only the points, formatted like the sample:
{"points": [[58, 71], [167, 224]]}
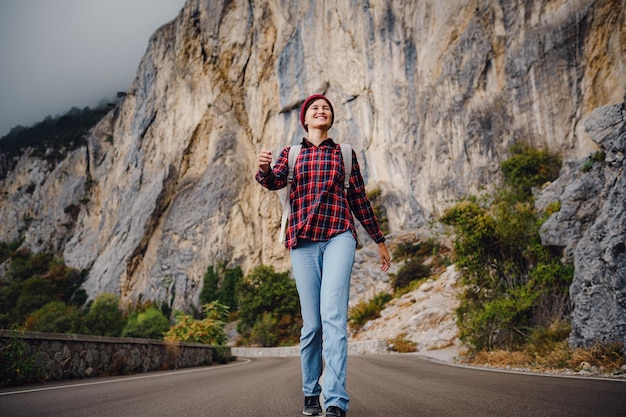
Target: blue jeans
{"points": [[322, 272]]}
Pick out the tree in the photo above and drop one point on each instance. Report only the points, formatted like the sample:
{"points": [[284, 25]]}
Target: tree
{"points": [[210, 288], [51, 138], [268, 298], [220, 284]]}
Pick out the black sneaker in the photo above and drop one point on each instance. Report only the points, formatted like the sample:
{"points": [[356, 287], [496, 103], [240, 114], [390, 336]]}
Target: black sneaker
{"points": [[312, 406], [333, 411]]}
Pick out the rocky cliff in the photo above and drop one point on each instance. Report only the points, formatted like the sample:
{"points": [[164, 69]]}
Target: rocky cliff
{"points": [[591, 225], [429, 93]]}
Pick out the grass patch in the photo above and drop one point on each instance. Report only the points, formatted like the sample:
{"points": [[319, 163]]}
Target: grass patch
{"points": [[606, 359], [367, 310], [402, 344]]}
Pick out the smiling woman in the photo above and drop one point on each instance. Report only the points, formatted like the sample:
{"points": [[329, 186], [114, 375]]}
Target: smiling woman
{"points": [[71, 53], [322, 239], [317, 112]]}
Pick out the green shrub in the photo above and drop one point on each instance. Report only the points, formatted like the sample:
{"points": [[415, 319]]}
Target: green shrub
{"points": [[31, 282], [73, 211], [528, 168], [512, 284], [552, 208], [55, 317], [412, 270], [79, 297], [367, 310], [209, 330], [379, 210], [597, 156], [36, 292], [264, 331], [105, 318], [148, 324], [24, 264], [7, 249], [17, 365], [423, 249], [543, 339]]}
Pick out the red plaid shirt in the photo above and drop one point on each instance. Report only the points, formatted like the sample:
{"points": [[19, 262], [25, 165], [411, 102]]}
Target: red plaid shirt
{"points": [[319, 208]]}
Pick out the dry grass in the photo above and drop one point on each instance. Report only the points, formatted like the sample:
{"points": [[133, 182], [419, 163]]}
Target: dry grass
{"points": [[598, 359], [402, 344], [502, 358]]}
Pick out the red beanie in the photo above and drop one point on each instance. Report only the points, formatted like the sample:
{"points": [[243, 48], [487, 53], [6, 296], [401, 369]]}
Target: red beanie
{"points": [[307, 103]]}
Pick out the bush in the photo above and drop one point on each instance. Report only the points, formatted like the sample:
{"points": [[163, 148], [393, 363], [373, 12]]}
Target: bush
{"points": [[379, 210], [55, 317], [512, 284], [7, 249], [544, 340], [105, 317], [597, 156], [412, 270], [16, 365], [264, 331], [424, 249], [209, 331], [266, 294], [36, 292], [367, 310], [149, 324], [528, 168], [402, 344], [31, 282], [552, 208]]}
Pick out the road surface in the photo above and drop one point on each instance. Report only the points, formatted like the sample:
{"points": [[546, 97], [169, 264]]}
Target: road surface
{"points": [[379, 385]]}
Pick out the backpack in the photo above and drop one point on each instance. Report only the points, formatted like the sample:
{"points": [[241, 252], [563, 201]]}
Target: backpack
{"points": [[294, 151]]}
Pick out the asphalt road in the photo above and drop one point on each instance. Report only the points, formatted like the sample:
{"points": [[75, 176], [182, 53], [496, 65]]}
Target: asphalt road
{"points": [[379, 385]]}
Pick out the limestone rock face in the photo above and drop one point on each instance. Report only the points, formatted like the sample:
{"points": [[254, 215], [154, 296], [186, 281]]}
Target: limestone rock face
{"points": [[591, 225], [422, 316], [430, 94]]}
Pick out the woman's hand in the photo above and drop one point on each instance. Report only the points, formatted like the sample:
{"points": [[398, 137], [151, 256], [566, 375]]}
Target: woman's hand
{"points": [[265, 159], [385, 258]]}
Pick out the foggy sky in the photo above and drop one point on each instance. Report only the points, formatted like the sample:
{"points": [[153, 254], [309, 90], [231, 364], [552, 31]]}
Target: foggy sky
{"points": [[56, 54]]}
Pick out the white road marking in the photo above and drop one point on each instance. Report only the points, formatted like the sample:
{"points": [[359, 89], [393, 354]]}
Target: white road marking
{"points": [[111, 381]]}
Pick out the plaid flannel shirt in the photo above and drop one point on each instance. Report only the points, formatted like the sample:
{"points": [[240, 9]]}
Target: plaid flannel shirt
{"points": [[319, 208]]}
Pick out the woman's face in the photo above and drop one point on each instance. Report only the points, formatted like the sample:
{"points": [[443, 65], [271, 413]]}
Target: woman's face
{"points": [[319, 115]]}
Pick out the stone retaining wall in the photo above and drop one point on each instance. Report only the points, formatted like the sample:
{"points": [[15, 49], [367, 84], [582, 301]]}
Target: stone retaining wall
{"points": [[354, 348], [59, 356]]}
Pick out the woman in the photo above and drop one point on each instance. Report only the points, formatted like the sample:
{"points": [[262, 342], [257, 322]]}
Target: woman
{"points": [[321, 237]]}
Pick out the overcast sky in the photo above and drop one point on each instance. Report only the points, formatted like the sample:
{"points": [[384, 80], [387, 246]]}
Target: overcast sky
{"points": [[56, 54]]}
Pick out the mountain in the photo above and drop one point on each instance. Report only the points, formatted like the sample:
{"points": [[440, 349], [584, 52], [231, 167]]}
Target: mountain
{"points": [[430, 94]]}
